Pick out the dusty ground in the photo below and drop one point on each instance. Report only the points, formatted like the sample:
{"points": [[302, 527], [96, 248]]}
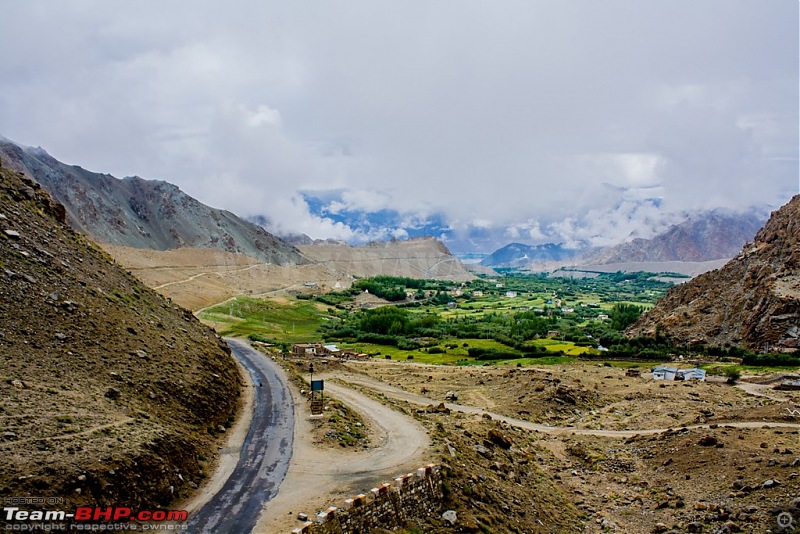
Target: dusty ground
{"points": [[197, 278], [321, 475], [568, 473]]}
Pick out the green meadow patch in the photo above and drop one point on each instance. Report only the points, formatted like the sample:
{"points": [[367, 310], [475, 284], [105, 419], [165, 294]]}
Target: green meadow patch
{"points": [[294, 322]]}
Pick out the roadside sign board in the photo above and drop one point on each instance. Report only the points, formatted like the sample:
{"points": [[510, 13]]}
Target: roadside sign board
{"points": [[317, 385]]}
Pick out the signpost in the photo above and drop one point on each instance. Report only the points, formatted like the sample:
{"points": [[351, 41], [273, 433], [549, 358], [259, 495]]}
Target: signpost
{"points": [[316, 385]]}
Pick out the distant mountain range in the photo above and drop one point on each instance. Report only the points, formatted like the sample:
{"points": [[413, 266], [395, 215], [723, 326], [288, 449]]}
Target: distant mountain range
{"points": [[702, 237], [157, 215], [706, 236], [519, 255], [140, 213]]}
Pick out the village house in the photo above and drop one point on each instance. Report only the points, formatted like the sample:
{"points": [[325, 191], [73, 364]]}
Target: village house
{"points": [[305, 349]]}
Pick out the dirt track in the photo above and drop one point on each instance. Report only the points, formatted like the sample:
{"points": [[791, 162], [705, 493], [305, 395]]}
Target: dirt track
{"points": [[318, 478]]}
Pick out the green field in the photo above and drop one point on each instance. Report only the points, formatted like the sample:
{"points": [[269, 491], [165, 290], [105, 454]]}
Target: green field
{"points": [[295, 322], [445, 320]]}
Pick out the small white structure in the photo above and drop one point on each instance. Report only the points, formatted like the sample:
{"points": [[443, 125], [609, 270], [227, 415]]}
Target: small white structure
{"points": [[511, 294], [691, 374], [664, 372]]}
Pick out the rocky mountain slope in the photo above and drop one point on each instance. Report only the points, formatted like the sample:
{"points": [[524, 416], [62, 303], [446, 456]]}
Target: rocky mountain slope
{"points": [[423, 257], [140, 213], [703, 237], [712, 236], [754, 300], [109, 393], [521, 255]]}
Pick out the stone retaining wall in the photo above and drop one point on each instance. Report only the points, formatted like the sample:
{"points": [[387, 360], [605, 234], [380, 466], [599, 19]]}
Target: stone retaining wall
{"points": [[387, 506]]}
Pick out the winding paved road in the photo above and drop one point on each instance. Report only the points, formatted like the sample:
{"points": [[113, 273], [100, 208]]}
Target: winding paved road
{"points": [[265, 453]]}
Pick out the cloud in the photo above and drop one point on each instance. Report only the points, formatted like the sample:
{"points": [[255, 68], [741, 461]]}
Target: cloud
{"points": [[539, 120]]}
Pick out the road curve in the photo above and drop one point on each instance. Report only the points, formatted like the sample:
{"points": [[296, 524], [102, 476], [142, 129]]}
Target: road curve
{"points": [[265, 453]]}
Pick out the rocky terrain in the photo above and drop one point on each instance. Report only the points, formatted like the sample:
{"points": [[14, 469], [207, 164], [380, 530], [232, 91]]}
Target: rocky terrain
{"points": [[144, 214], [660, 474], [712, 236], [109, 393], [753, 301], [423, 257], [200, 277], [700, 239]]}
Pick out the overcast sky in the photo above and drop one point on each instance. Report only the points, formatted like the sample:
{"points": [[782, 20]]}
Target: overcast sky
{"points": [[550, 120]]}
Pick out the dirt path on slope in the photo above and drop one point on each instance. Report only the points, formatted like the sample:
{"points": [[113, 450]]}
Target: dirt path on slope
{"points": [[319, 478], [413, 398]]}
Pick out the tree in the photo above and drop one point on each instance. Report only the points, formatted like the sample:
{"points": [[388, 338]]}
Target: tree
{"points": [[623, 315]]}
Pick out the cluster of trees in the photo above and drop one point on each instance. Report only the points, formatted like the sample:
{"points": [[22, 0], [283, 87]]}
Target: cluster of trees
{"points": [[399, 326], [394, 325], [393, 288]]}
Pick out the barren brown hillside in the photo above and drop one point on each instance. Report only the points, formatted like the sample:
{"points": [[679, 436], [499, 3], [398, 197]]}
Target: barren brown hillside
{"points": [[109, 394], [415, 258], [200, 277]]}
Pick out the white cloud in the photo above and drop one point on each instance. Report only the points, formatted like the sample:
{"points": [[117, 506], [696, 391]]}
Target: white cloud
{"points": [[522, 119]]}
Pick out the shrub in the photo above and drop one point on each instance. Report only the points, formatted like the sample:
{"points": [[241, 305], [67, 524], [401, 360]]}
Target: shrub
{"points": [[733, 374]]}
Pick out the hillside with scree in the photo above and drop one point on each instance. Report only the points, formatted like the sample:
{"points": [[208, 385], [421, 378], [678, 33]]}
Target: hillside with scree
{"points": [[109, 393]]}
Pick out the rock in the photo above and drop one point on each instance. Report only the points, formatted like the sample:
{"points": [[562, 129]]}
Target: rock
{"points": [[499, 439], [81, 478], [302, 517], [708, 441], [660, 527], [440, 408], [451, 396], [700, 506], [9, 435], [141, 354], [483, 451], [13, 234], [17, 384], [771, 483], [59, 336], [450, 516], [694, 527], [772, 462], [113, 393], [732, 527]]}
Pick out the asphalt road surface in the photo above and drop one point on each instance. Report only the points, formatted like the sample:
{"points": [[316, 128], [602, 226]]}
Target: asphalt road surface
{"points": [[265, 453]]}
